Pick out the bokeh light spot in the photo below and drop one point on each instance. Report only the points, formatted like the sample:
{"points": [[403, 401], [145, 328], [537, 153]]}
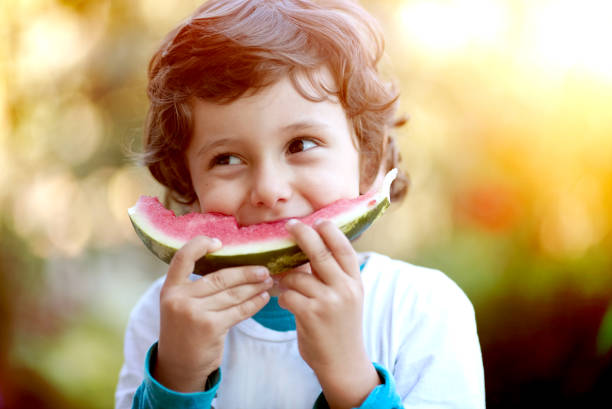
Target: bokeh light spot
{"points": [[50, 212], [125, 186], [575, 221], [78, 132]]}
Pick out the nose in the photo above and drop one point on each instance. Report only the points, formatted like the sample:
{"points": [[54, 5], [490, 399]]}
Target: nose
{"points": [[270, 186]]}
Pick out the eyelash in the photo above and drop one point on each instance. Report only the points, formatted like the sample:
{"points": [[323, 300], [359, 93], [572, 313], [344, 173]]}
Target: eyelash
{"points": [[224, 157], [302, 139], [216, 161]]}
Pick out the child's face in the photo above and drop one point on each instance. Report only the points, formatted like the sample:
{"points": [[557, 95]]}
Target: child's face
{"points": [[271, 156]]}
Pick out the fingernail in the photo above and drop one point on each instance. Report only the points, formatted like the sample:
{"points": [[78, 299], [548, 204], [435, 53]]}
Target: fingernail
{"points": [[268, 281], [216, 242], [291, 222], [264, 295], [317, 222], [261, 272]]}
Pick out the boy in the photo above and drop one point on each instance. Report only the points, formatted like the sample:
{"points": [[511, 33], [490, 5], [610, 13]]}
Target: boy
{"points": [[270, 110]]}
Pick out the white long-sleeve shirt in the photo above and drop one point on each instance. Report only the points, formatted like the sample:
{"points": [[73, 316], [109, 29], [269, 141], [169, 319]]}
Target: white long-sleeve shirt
{"points": [[418, 324]]}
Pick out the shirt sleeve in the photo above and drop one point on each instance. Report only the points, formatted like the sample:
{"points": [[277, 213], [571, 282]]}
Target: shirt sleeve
{"points": [[425, 335], [384, 396], [439, 363], [142, 331], [152, 394]]}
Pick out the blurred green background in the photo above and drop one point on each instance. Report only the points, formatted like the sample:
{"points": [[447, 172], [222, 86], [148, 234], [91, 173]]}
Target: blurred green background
{"points": [[509, 147]]}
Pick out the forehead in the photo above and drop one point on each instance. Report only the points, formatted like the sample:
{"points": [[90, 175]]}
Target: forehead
{"points": [[278, 106]]}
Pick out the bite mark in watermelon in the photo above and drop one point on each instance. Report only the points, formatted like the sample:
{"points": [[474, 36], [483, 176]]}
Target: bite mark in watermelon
{"points": [[267, 244]]}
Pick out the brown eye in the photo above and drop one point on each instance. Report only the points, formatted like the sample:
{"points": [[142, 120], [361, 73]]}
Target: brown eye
{"points": [[226, 159], [300, 145]]}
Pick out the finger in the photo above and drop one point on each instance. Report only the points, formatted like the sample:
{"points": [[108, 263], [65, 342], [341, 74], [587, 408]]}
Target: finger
{"points": [[321, 259], [304, 283], [226, 278], [237, 313], [235, 295], [339, 245], [295, 302], [183, 261]]}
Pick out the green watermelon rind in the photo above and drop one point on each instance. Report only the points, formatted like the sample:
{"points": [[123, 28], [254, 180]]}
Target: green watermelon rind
{"points": [[276, 260], [277, 254]]}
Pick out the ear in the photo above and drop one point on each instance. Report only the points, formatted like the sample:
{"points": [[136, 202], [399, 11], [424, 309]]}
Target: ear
{"points": [[180, 208], [195, 207], [365, 187], [371, 175]]}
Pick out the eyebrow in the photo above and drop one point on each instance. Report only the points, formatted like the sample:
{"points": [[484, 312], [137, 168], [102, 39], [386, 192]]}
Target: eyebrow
{"points": [[306, 124], [209, 146], [294, 127]]}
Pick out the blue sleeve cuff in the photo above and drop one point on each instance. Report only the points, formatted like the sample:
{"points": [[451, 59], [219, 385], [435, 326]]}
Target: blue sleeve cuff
{"points": [[384, 396], [152, 394]]}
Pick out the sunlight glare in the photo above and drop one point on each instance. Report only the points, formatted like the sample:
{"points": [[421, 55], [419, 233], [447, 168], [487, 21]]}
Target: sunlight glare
{"points": [[570, 34], [445, 27]]}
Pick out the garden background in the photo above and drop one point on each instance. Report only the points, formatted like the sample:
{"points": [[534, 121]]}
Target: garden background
{"points": [[509, 147]]}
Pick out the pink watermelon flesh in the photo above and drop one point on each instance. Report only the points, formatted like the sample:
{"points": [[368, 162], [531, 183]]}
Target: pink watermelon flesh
{"points": [[225, 228], [266, 244]]}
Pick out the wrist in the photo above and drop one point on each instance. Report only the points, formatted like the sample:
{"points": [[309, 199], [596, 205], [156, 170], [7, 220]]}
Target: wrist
{"points": [[179, 378], [348, 386]]}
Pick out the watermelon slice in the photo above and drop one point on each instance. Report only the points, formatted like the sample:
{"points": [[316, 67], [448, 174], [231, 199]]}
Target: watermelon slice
{"points": [[267, 244]]}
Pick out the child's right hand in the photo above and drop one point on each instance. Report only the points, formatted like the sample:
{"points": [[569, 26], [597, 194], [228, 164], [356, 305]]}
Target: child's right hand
{"points": [[195, 316]]}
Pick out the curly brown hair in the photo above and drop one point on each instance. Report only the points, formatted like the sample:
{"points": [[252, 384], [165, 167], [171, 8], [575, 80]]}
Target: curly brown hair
{"points": [[230, 47]]}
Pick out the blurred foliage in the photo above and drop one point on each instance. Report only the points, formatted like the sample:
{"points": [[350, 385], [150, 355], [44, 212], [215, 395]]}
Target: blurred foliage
{"points": [[509, 148]]}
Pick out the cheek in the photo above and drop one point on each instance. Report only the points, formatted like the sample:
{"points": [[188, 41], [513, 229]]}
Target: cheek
{"points": [[218, 198], [330, 187]]}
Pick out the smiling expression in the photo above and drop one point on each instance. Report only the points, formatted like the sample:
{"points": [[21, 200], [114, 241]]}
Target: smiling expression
{"points": [[271, 155]]}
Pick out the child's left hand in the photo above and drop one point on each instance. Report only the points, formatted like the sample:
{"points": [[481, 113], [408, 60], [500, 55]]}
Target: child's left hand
{"points": [[328, 309]]}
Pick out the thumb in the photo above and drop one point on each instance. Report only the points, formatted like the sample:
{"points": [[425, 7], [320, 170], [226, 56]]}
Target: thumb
{"points": [[183, 261]]}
